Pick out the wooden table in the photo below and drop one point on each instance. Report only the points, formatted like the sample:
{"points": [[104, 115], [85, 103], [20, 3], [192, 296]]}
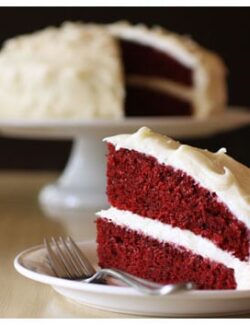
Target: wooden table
{"points": [[23, 225]]}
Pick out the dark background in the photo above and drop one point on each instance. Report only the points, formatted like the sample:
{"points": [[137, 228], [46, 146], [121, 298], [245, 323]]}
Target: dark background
{"points": [[224, 30]]}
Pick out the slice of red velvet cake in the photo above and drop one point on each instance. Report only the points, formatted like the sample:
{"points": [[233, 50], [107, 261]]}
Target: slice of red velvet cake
{"points": [[178, 213]]}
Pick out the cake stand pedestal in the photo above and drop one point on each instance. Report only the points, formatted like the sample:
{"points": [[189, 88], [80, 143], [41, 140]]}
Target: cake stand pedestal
{"points": [[81, 187]]}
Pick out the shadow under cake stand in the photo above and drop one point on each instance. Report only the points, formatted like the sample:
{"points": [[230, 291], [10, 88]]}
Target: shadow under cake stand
{"points": [[81, 186]]}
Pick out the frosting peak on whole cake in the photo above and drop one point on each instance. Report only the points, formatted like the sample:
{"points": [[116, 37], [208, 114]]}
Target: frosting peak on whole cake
{"points": [[70, 71], [218, 172]]}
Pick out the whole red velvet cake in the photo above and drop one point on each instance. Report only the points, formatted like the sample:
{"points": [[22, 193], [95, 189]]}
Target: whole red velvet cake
{"points": [[178, 213]]}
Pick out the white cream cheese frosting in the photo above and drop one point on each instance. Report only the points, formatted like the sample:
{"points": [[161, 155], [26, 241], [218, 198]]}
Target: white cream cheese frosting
{"points": [[185, 238], [76, 71], [217, 172], [73, 71], [209, 93]]}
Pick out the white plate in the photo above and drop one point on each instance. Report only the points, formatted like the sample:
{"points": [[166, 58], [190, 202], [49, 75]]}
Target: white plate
{"points": [[172, 126], [31, 263]]}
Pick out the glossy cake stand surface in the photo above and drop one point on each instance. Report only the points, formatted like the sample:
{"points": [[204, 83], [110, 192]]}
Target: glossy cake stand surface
{"points": [[81, 186]]}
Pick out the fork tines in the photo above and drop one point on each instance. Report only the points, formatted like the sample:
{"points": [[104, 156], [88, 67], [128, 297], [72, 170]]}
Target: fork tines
{"points": [[66, 259]]}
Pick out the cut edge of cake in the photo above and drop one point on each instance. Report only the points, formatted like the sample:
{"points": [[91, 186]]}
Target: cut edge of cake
{"points": [[210, 91]]}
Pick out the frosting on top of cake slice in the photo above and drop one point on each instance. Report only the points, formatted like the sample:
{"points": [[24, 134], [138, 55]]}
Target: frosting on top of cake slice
{"points": [[218, 172], [72, 71]]}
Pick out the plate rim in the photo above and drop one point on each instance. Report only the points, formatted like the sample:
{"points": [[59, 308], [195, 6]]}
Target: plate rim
{"points": [[115, 290]]}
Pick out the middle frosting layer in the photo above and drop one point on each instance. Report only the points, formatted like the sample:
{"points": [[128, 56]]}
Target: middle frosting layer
{"points": [[185, 238]]}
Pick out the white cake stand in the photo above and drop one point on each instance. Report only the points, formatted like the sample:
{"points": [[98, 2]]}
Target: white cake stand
{"points": [[81, 187]]}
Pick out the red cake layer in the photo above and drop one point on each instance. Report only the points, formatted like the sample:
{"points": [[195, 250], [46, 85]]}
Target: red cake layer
{"points": [[145, 257], [140, 59], [142, 101], [140, 184]]}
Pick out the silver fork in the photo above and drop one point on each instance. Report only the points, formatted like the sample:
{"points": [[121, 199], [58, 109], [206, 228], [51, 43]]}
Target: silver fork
{"points": [[67, 261]]}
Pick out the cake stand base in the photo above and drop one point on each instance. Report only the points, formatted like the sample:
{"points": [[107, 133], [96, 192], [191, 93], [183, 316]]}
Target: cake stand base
{"points": [[81, 187]]}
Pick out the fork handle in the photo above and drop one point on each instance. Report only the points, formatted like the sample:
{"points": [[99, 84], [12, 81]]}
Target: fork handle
{"points": [[141, 285], [121, 275]]}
